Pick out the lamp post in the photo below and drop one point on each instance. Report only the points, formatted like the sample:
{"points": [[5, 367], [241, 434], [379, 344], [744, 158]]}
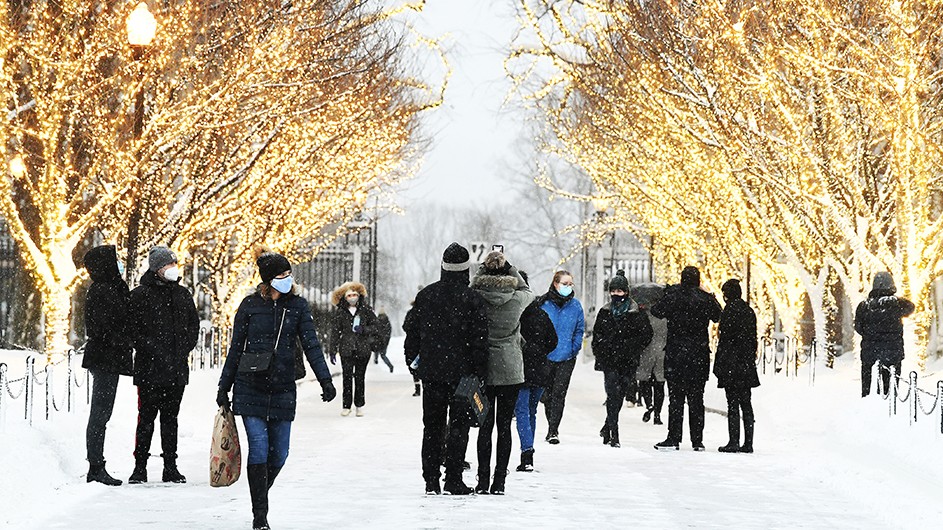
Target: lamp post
{"points": [[600, 204], [142, 28]]}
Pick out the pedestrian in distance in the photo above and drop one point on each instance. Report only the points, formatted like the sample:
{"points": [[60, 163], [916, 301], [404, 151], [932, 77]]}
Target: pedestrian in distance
{"points": [[269, 321], [538, 340], [506, 295], [566, 313], [689, 311], [353, 328], [620, 334], [381, 340], [651, 369], [878, 320], [735, 366], [164, 327], [448, 334], [107, 351]]}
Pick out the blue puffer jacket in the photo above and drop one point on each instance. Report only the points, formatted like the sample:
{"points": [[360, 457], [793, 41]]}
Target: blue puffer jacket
{"points": [[569, 324], [271, 394]]}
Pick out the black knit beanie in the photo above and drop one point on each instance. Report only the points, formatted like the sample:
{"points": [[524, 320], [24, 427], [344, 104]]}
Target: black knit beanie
{"points": [[619, 281], [271, 265], [455, 258]]}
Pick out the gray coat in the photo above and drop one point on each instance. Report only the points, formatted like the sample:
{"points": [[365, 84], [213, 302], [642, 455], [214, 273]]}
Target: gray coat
{"points": [[652, 360], [507, 296]]}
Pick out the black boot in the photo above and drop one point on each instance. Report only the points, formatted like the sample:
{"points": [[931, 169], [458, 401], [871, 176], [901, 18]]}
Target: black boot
{"points": [[418, 391], [455, 486], [647, 415], [497, 486], [171, 474], [605, 433], [139, 475], [97, 473], [272, 473], [258, 492], [657, 420], [747, 446], [614, 436], [484, 476], [527, 461]]}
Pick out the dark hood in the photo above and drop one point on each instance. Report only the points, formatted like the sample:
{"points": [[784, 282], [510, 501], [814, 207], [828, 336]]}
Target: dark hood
{"points": [[102, 263]]}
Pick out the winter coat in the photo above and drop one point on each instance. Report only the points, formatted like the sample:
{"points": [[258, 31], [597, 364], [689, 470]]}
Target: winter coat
{"points": [[447, 329], [344, 340], [878, 321], [619, 340], [506, 296], [106, 311], [539, 339], [271, 394], [735, 361], [689, 312], [164, 328], [652, 360], [384, 332], [569, 323]]}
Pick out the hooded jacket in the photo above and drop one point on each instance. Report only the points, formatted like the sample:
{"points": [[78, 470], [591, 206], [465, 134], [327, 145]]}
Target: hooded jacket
{"points": [[569, 323], [689, 311], [619, 340], [735, 362], [344, 340], [878, 321], [539, 339], [108, 348], [506, 296]]}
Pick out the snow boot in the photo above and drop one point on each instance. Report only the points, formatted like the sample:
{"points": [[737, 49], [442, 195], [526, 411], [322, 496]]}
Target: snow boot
{"points": [[527, 461], [731, 447], [698, 447], [272, 473], [484, 475], [747, 446], [433, 487], [667, 445], [455, 486], [553, 438], [97, 473], [614, 436], [258, 492], [139, 475], [605, 433], [418, 391], [657, 420], [497, 486], [647, 416], [170, 471]]}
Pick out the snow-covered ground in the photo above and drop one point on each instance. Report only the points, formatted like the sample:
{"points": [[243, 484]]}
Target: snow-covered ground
{"points": [[825, 459]]}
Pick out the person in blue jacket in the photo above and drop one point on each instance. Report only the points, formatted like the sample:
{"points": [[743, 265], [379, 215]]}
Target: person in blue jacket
{"points": [[566, 313], [271, 319]]}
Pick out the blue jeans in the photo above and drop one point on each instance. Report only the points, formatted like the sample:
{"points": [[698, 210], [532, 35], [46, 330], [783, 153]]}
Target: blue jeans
{"points": [[526, 414], [268, 440]]}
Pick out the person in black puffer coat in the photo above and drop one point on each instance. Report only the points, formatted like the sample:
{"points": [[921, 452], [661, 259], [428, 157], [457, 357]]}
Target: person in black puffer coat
{"points": [[164, 328], [107, 352], [381, 341], [620, 334], [878, 321], [689, 311], [539, 339], [353, 327], [272, 319], [735, 366]]}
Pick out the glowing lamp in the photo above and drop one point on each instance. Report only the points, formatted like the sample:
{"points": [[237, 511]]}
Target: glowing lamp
{"points": [[17, 166], [142, 26]]}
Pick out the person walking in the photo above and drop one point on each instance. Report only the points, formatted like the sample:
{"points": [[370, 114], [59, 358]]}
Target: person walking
{"points": [[164, 327], [407, 323], [539, 339], [689, 311], [566, 313], [107, 351], [878, 321], [381, 340], [446, 339], [735, 366], [353, 327], [651, 369], [270, 321], [507, 295], [620, 334]]}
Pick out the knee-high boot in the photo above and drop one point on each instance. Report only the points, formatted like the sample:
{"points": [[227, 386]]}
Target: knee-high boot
{"points": [[272, 473], [258, 492], [747, 446]]}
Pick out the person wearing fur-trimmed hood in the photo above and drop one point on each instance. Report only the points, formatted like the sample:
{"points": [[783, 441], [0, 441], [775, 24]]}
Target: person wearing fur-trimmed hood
{"points": [[353, 326]]}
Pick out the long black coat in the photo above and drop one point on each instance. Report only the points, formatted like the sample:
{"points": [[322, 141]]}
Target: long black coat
{"points": [[689, 312], [344, 341], [106, 311], [271, 394], [164, 328], [448, 329], [539, 339], [878, 321], [618, 341], [735, 362]]}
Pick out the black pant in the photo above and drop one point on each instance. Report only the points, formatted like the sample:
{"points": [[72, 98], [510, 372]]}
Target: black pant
{"points": [[739, 399], [693, 393], [104, 388], [151, 400], [503, 400], [616, 383], [437, 422], [354, 369], [885, 371], [653, 393], [377, 355], [560, 374]]}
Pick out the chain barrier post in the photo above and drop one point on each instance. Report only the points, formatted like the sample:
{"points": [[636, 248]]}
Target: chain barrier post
{"points": [[939, 397], [68, 392], [30, 389], [48, 384], [813, 355], [913, 397], [892, 384], [3, 390]]}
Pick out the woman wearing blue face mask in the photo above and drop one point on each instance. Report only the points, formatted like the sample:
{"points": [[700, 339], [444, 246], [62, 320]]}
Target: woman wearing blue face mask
{"points": [[566, 313], [270, 320]]}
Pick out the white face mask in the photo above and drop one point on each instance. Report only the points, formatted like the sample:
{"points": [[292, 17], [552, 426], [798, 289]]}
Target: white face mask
{"points": [[172, 274]]}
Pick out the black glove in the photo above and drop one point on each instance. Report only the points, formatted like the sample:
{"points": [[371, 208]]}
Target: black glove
{"points": [[328, 392], [222, 399]]}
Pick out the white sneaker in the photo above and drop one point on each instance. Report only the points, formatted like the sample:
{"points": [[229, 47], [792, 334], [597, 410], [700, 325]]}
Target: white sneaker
{"points": [[345, 412], [359, 412]]}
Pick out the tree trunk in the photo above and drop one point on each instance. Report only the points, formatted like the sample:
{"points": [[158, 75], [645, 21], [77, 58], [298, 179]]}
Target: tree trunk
{"points": [[57, 313]]}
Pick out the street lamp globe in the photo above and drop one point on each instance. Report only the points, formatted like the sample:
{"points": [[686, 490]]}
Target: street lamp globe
{"points": [[142, 26], [600, 203], [17, 166]]}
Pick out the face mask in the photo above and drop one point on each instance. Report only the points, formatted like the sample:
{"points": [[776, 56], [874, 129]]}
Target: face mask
{"points": [[172, 274], [352, 300], [282, 285], [565, 290], [618, 299], [120, 269]]}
